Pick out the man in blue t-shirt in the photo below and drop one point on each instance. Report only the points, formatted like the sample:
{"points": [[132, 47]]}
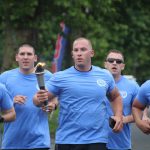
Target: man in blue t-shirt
{"points": [[128, 89], [141, 102], [81, 91], [30, 130]]}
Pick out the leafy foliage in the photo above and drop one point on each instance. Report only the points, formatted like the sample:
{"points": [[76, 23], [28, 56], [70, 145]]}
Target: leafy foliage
{"points": [[109, 24]]}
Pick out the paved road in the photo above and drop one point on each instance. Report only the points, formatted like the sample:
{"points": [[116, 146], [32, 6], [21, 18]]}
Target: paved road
{"points": [[52, 142], [140, 141]]}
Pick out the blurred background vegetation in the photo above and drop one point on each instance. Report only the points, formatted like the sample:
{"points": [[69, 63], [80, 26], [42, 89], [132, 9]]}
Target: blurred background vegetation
{"points": [[110, 24]]}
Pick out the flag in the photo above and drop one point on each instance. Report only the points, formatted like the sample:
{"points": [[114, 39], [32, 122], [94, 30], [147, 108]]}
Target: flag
{"points": [[60, 47]]}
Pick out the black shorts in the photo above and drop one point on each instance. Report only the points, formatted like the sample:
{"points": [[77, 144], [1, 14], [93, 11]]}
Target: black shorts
{"points": [[120, 148], [92, 146], [33, 149], [126, 149], [40, 149]]}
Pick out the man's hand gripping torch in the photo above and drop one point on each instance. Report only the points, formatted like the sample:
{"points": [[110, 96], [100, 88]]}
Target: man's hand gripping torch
{"points": [[39, 71]]}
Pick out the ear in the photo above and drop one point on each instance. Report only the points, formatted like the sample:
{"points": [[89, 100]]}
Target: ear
{"points": [[72, 54], [16, 57], [122, 66], [92, 53], [105, 64], [35, 58]]}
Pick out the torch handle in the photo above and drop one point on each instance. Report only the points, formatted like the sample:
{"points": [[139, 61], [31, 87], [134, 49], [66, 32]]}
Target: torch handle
{"points": [[43, 88], [40, 79]]}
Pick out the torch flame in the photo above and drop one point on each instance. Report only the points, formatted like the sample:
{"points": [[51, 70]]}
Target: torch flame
{"points": [[39, 67], [41, 64]]}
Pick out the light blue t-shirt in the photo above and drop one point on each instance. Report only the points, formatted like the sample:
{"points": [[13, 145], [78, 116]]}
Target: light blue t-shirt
{"points": [[128, 91], [5, 99], [82, 116], [144, 93], [30, 129]]}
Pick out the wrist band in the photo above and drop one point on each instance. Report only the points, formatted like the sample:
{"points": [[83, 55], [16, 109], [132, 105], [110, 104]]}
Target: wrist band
{"points": [[1, 119]]}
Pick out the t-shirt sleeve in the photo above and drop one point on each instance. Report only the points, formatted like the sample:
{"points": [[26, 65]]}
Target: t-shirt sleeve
{"points": [[3, 78], [142, 95], [52, 85], [5, 99], [47, 75]]}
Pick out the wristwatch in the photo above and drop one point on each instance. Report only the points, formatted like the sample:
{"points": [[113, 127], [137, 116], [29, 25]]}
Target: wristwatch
{"points": [[1, 119]]}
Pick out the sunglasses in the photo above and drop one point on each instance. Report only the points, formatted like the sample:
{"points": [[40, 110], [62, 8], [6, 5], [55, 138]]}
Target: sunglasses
{"points": [[112, 60]]}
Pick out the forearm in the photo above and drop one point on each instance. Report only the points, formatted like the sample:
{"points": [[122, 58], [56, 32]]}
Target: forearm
{"points": [[9, 115], [137, 110], [145, 114], [137, 114], [116, 102], [117, 106], [128, 119]]}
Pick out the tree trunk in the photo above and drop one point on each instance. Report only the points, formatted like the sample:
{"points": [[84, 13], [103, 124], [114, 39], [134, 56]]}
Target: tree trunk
{"points": [[13, 38]]}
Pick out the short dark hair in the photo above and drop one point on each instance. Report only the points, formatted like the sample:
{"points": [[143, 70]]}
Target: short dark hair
{"points": [[115, 51], [25, 45]]}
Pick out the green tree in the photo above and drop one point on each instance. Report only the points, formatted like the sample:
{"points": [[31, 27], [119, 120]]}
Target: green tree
{"points": [[109, 24]]}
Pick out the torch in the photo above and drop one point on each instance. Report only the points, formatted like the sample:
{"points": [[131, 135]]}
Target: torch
{"points": [[39, 71]]}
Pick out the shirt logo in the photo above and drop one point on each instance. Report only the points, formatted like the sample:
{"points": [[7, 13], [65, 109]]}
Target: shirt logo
{"points": [[123, 94], [101, 82]]}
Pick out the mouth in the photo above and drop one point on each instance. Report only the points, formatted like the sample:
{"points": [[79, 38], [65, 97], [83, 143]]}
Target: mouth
{"points": [[79, 60], [114, 69], [25, 63]]}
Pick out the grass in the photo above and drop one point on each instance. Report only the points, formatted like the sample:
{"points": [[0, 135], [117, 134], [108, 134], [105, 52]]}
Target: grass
{"points": [[53, 122]]}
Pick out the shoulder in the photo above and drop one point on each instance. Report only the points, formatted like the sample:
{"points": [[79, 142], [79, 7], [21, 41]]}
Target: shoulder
{"points": [[145, 85], [64, 72], [144, 92], [48, 73], [63, 75], [101, 70], [8, 74], [104, 75], [130, 82], [10, 71]]}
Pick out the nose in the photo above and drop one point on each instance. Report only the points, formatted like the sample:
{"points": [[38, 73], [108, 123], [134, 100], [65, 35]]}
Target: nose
{"points": [[114, 62], [25, 56], [79, 53]]}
